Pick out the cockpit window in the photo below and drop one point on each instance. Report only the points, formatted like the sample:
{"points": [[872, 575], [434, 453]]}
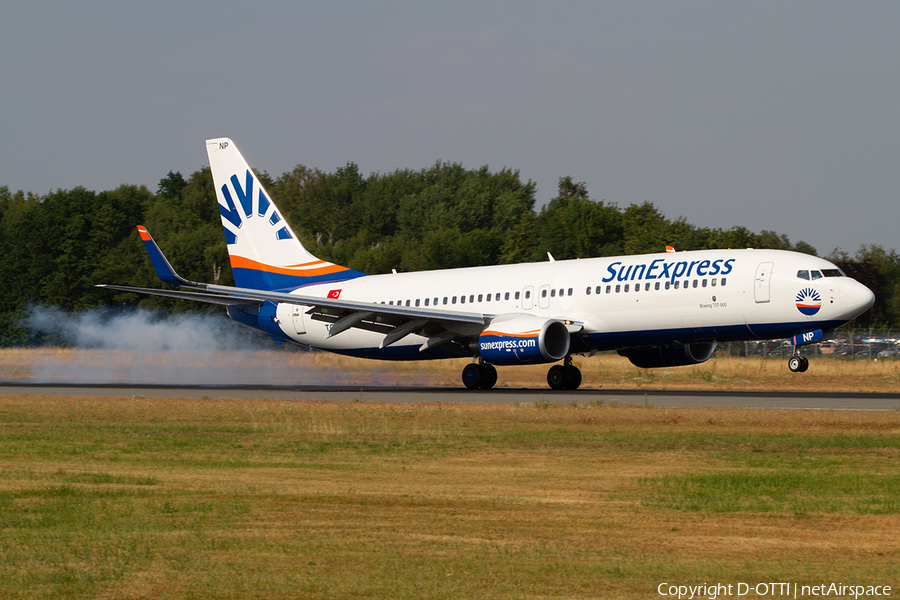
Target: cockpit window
{"points": [[833, 273], [816, 275], [803, 275]]}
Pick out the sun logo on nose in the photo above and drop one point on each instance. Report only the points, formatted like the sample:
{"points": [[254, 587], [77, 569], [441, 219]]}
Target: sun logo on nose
{"points": [[809, 301]]}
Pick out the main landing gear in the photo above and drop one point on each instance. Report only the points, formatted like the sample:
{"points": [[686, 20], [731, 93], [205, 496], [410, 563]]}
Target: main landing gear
{"points": [[565, 376], [479, 376], [797, 363], [482, 376]]}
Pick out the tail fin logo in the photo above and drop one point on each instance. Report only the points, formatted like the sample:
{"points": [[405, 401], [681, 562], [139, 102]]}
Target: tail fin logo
{"points": [[249, 206]]}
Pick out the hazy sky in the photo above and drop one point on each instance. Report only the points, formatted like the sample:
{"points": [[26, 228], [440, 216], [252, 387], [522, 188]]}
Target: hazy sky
{"points": [[770, 115]]}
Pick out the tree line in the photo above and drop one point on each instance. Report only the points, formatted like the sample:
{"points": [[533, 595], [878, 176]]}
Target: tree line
{"points": [[56, 247]]}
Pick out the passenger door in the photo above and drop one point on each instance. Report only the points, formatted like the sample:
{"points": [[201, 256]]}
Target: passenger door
{"points": [[761, 282]]}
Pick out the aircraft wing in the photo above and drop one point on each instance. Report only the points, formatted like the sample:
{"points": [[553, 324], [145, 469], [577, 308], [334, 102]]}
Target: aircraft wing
{"points": [[231, 296], [396, 322]]}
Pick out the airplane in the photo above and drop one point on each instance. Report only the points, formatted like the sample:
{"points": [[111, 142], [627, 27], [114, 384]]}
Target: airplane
{"points": [[657, 310]]}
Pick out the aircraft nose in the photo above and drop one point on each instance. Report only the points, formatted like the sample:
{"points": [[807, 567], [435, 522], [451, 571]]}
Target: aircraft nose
{"points": [[855, 298]]}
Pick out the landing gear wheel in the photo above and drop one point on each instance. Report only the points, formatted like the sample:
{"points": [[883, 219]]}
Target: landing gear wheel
{"points": [[804, 364], [573, 375], [556, 377], [489, 376], [795, 364], [472, 376]]}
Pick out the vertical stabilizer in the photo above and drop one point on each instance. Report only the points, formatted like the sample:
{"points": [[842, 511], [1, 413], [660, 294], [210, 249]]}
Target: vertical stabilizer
{"points": [[265, 253]]}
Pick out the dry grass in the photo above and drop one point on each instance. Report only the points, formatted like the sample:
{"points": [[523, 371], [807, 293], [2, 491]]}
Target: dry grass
{"points": [[608, 370], [140, 498]]}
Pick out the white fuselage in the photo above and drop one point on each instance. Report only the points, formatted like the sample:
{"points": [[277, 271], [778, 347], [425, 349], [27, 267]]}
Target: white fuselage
{"points": [[684, 297]]}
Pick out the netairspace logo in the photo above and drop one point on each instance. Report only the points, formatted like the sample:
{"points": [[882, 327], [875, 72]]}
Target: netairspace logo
{"points": [[779, 589]]}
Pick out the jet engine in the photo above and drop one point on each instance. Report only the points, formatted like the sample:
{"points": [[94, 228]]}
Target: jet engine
{"points": [[524, 340], [676, 355]]}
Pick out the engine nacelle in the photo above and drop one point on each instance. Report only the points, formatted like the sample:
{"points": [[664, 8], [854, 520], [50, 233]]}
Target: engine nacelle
{"points": [[524, 340], [677, 355]]}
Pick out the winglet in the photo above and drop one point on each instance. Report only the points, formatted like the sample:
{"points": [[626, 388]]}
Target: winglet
{"points": [[163, 269]]}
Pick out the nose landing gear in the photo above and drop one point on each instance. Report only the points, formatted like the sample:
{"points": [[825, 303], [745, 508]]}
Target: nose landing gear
{"points": [[797, 363]]}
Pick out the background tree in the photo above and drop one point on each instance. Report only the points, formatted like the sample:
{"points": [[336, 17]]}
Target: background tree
{"points": [[56, 247]]}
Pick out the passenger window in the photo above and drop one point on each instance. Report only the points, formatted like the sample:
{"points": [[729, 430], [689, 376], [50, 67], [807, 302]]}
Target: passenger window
{"points": [[553, 293], [471, 298], [517, 295], [637, 287], [543, 293], [528, 294], [667, 285], [695, 283], [506, 296], [803, 275], [608, 288], [713, 282], [407, 302], [588, 290], [560, 292], [480, 297], [647, 287], [462, 299], [391, 302], [723, 281], [488, 298], [704, 283], [656, 287], [816, 275], [445, 300], [676, 284], [618, 287], [626, 286], [426, 301], [436, 302], [453, 300], [599, 289], [569, 291]]}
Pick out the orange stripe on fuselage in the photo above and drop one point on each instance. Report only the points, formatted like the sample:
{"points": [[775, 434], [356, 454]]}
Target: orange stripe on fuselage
{"points": [[239, 262], [523, 334]]}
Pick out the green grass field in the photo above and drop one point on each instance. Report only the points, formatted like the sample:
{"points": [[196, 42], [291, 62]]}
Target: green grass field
{"points": [[140, 498]]}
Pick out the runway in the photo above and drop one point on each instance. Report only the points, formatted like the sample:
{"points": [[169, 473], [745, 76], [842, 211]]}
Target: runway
{"points": [[459, 395]]}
